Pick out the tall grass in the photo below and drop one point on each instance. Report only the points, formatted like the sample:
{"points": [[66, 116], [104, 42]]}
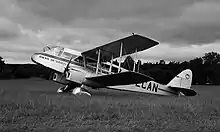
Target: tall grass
{"points": [[108, 111]]}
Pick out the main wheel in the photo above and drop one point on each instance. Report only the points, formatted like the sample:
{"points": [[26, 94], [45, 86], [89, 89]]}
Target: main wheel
{"points": [[60, 90], [63, 89]]}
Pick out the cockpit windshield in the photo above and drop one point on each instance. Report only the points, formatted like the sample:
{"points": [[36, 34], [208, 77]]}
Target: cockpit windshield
{"points": [[48, 48], [55, 50], [59, 51]]}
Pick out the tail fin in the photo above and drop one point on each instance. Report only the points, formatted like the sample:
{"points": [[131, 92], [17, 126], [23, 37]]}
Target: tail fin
{"points": [[182, 80], [182, 83]]}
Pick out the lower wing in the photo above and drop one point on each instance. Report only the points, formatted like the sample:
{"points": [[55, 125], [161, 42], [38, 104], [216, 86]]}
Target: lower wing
{"points": [[123, 78]]}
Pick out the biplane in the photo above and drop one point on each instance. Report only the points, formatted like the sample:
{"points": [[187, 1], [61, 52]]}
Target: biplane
{"points": [[94, 69]]}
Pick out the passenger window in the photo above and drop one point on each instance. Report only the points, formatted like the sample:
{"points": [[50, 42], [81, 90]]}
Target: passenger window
{"points": [[79, 59], [67, 55]]}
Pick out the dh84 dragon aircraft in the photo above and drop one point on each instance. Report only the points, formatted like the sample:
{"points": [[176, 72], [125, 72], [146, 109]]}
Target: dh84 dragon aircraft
{"points": [[80, 71]]}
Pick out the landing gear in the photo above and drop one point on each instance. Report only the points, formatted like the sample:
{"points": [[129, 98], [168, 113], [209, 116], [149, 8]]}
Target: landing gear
{"points": [[80, 91], [74, 90], [180, 94], [62, 89]]}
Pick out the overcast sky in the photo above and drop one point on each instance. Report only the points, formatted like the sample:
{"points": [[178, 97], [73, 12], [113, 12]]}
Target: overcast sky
{"points": [[185, 28]]}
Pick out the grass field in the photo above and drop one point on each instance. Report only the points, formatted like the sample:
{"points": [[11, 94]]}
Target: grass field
{"points": [[34, 105]]}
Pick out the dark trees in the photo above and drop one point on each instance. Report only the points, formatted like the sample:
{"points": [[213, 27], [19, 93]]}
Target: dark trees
{"points": [[211, 58], [2, 63], [205, 69]]}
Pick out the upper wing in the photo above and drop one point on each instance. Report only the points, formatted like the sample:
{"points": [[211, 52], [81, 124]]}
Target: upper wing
{"points": [[131, 44], [123, 78]]}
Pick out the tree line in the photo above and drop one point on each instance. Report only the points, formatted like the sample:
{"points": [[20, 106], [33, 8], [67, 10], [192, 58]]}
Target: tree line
{"points": [[206, 69]]}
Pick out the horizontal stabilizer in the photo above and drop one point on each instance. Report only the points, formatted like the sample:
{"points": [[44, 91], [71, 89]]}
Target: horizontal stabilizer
{"points": [[123, 78], [185, 91]]}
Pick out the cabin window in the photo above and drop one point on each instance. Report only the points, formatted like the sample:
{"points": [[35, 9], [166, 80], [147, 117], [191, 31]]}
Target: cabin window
{"points": [[67, 55], [79, 59]]}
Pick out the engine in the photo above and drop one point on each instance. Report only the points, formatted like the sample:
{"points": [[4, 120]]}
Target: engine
{"points": [[75, 75], [60, 78]]}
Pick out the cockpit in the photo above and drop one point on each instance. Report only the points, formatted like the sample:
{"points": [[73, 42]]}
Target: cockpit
{"points": [[48, 48], [59, 52], [56, 50]]}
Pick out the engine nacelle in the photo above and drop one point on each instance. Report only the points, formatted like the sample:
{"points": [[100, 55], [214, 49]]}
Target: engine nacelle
{"points": [[60, 78], [75, 75]]}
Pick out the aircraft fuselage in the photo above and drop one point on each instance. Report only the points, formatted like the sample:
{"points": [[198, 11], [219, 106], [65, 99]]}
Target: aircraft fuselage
{"points": [[151, 87], [78, 73]]}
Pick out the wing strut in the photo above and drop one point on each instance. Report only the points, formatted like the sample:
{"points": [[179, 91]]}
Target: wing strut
{"points": [[97, 67], [121, 49], [84, 61], [110, 69], [135, 60]]}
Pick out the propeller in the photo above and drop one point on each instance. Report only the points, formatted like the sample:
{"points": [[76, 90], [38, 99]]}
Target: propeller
{"points": [[67, 67]]}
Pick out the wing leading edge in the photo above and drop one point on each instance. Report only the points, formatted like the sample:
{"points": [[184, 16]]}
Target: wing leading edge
{"points": [[131, 44], [124, 78]]}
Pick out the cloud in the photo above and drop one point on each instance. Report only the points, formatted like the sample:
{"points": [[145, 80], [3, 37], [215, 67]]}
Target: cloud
{"points": [[185, 53], [66, 10], [170, 21], [198, 24], [61, 11], [8, 29], [180, 25], [15, 57], [79, 38], [5, 35]]}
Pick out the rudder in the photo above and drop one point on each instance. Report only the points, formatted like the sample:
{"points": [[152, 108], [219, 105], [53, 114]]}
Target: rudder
{"points": [[182, 80]]}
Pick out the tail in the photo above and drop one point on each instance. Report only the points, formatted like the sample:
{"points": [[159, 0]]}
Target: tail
{"points": [[182, 83], [182, 80]]}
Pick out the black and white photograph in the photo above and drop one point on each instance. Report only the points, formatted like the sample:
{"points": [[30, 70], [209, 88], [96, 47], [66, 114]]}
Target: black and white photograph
{"points": [[109, 65]]}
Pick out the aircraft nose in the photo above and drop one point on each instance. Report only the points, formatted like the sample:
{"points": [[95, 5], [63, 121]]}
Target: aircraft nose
{"points": [[34, 57]]}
